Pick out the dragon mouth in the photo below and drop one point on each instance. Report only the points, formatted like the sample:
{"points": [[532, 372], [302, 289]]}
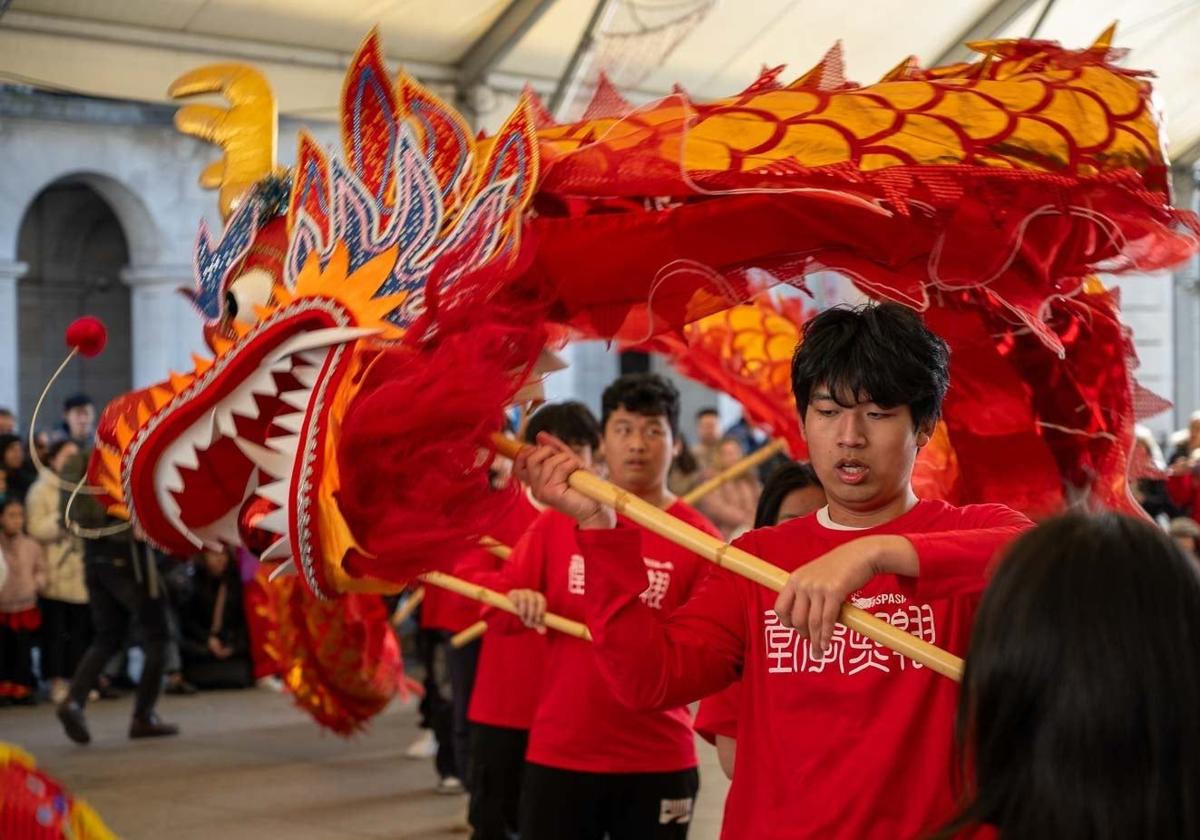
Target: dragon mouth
{"points": [[262, 418], [236, 431]]}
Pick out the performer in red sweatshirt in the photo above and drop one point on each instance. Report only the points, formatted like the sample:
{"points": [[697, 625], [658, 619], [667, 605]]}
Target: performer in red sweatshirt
{"points": [[792, 490], [594, 766], [839, 737], [508, 681]]}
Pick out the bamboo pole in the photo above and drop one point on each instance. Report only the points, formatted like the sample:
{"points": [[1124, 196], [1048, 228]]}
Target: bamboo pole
{"points": [[501, 602], [470, 634], [495, 547], [745, 564], [464, 637], [746, 464], [408, 607]]}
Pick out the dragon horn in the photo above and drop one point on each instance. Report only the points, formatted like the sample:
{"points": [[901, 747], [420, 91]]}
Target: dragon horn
{"points": [[247, 130]]}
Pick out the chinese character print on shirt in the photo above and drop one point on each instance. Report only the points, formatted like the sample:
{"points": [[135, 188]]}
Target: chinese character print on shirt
{"points": [[850, 652], [659, 577]]}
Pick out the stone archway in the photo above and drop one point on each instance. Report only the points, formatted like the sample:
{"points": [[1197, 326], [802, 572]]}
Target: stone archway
{"points": [[74, 248]]}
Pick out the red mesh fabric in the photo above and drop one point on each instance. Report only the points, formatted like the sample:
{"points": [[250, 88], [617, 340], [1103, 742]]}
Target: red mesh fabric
{"points": [[415, 450]]}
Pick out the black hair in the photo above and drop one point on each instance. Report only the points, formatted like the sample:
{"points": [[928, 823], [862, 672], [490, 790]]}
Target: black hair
{"points": [[880, 351], [571, 422], [6, 412], [685, 461], [707, 410], [9, 500], [7, 441], [76, 401], [55, 447], [1077, 716], [647, 394], [786, 478]]}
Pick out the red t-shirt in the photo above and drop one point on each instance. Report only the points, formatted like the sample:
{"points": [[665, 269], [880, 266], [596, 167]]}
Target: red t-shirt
{"points": [[857, 744], [718, 713], [579, 723], [508, 678]]}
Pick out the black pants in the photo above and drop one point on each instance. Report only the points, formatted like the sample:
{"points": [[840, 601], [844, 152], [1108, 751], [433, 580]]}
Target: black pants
{"points": [[437, 712], [117, 595], [569, 805], [65, 635], [497, 762], [16, 663], [462, 663]]}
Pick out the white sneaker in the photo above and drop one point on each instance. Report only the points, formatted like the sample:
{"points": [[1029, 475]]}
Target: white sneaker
{"points": [[270, 682], [449, 786], [425, 746]]}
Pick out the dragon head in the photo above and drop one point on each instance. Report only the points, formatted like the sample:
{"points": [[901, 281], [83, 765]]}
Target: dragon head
{"points": [[317, 273]]}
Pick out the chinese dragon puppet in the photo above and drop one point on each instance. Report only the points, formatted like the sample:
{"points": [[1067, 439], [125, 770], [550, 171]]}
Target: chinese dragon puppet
{"points": [[370, 313]]}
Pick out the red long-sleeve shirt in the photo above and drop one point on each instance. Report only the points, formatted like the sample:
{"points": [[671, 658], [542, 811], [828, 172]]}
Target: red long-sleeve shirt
{"points": [[718, 714], [508, 678], [580, 724], [854, 744]]}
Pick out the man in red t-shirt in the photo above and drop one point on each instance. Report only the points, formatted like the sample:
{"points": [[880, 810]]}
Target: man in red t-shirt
{"points": [[839, 736], [508, 681], [594, 766]]}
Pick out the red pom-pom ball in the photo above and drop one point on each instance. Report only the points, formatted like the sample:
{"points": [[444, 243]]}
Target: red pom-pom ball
{"points": [[87, 335]]}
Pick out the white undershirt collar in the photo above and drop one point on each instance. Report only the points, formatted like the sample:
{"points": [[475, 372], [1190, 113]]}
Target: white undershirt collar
{"points": [[825, 522]]}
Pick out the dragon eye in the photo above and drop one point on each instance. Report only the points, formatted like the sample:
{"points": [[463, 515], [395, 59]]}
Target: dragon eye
{"points": [[249, 290]]}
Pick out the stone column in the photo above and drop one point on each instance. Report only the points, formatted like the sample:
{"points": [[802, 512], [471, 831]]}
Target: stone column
{"points": [[1187, 311], [166, 328], [10, 350]]}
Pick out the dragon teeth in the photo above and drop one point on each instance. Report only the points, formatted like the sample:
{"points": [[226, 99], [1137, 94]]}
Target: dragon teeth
{"points": [[285, 445], [263, 383], [170, 508], [173, 481], [275, 521], [187, 458], [223, 419], [281, 548], [291, 422], [296, 399], [244, 404], [276, 464], [284, 569], [276, 492], [306, 375]]}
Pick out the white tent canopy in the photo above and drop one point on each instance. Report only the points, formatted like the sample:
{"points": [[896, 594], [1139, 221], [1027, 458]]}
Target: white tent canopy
{"points": [[134, 48]]}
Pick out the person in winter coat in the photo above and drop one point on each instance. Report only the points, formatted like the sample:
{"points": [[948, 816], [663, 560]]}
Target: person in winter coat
{"points": [[66, 620]]}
